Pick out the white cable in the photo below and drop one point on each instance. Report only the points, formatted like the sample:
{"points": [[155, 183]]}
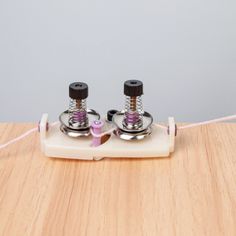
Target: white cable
{"points": [[18, 138], [227, 118], [23, 136], [161, 126]]}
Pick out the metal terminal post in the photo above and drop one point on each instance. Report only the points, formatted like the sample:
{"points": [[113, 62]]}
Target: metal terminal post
{"points": [[75, 122], [133, 122]]}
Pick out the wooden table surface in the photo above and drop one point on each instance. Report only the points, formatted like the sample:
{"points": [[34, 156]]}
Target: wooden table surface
{"points": [[191, 193]]}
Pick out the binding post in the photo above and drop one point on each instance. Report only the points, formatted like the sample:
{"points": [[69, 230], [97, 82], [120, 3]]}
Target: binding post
{"points": [[133, 123], [76, 121]]}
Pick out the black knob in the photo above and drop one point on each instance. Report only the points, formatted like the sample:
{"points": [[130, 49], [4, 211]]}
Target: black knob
{"points": [[110, 114], [133, 88], [78, 90]]}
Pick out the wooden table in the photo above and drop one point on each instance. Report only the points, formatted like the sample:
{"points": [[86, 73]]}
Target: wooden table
{"points": [[191, 193]]}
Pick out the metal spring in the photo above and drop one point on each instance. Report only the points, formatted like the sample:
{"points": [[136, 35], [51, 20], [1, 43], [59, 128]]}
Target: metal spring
{"points": [[78, 113], [133, 118]]}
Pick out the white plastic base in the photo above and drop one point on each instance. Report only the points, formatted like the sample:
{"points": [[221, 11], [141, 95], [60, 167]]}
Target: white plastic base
{"points": [[56, 144]]}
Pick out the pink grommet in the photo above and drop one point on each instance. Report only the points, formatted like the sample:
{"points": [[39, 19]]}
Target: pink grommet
{"points": [[97, 129]]}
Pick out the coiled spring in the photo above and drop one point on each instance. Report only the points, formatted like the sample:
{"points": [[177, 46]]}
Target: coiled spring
{"points": [[133, 118], [78, 117]]}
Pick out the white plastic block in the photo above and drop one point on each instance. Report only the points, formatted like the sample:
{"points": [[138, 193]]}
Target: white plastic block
{"points": [[54, 143]]}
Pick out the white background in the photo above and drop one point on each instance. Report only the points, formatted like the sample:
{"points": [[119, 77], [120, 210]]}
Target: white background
{"points": [[184, 51]]}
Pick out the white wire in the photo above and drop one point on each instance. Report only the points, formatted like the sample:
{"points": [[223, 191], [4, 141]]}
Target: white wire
{"points": [[18, 138], [23, 136], [162, 126], [226, 118]]}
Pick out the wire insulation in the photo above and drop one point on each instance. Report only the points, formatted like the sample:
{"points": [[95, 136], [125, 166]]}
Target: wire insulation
{"points": [[19, 137], [226, 118], [27, 133]]}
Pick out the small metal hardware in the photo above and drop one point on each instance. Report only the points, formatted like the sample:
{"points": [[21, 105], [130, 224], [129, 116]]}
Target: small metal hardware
{"points": [[133, 122], [76, 121]]}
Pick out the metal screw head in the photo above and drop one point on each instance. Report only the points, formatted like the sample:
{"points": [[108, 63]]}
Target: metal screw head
{"points": [[133, 88], [78, 90]]}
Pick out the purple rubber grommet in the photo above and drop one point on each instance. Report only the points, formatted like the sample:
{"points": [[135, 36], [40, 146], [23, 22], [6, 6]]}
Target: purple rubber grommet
{"points": [[97, 129]]}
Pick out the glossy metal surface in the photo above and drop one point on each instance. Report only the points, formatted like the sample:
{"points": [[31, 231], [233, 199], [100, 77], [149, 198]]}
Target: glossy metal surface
{"points": [[118, 121], [77, 132], [132, 134]]}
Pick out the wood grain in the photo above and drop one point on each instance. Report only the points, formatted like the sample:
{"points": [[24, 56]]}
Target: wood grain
{"points": [[191, 193]]}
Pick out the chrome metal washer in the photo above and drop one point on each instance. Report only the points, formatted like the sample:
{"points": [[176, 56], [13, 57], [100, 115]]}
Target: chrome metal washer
{"points": [[74, 133], [132, 134], [118, 121], [71, 131]]}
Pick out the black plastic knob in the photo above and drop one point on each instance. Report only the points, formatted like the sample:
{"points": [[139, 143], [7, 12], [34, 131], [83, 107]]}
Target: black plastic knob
{"points": [[133, 88], [78, 90], [110, 114]]}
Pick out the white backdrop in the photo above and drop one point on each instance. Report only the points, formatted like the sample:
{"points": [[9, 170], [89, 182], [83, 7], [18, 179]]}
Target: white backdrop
{"points": [[184, 51]]}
